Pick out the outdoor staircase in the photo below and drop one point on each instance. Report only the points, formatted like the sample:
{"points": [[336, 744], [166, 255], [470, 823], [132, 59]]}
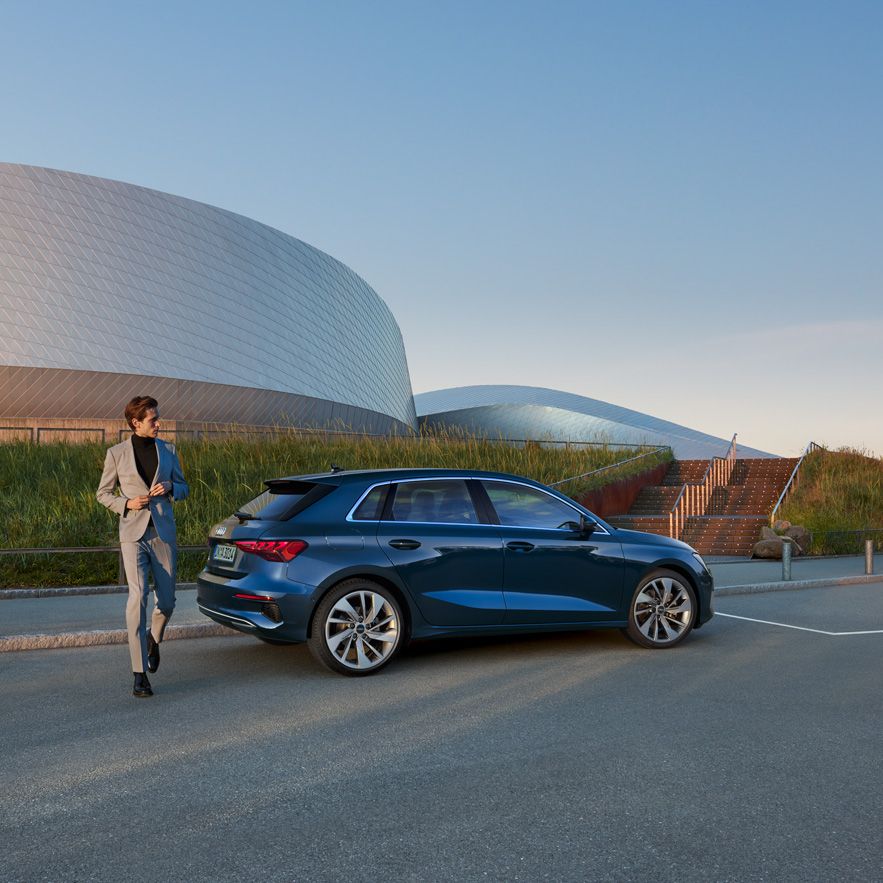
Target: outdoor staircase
{"points": [[735, 512]]}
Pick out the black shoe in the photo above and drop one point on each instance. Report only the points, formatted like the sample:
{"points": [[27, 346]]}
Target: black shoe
{"points": [[152, 654], [142, 685]]}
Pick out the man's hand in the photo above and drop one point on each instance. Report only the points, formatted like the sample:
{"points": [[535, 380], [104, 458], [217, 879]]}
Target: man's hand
{"points": [[137, 502], [161, 488]]}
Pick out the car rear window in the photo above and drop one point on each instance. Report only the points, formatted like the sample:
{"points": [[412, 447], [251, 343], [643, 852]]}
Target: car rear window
{"points": [[283, 499]]}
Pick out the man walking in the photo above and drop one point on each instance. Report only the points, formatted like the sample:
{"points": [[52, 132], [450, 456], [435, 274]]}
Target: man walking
{"points": [[149, 476]]}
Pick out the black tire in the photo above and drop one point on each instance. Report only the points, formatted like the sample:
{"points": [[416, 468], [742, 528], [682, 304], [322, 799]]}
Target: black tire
{"points": [[662, 610], [365, 632]]}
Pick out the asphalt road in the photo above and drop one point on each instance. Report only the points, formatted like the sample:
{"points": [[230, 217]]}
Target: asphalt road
{"points": [[751, 752]]}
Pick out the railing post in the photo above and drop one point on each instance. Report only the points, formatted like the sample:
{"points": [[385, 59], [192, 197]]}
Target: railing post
{"points": [[786, 559], [869, 556]]}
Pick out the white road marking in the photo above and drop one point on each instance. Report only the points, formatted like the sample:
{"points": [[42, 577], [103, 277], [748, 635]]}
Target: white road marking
{"points": [[800, 628]]}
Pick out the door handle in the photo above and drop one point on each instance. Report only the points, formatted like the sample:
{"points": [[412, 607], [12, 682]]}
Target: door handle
{"points": [[405, 544], [518, 546]]}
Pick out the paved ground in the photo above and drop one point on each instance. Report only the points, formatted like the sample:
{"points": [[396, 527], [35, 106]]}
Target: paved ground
{"points": [[84, 613], [751, 752]]}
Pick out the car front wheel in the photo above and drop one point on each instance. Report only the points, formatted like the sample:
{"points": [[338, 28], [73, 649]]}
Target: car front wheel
{"points": [[662, 610], [357, 628]]}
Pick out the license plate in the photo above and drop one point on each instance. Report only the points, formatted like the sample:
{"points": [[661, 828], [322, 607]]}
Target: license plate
{"points": [[224, 552]]}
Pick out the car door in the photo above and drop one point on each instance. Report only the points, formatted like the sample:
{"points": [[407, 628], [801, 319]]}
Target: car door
{"points": [[551, 571], [450, 561]]}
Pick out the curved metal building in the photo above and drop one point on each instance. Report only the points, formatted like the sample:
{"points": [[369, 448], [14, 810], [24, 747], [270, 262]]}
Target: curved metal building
{"points": [[529, 412], [109, 290]]}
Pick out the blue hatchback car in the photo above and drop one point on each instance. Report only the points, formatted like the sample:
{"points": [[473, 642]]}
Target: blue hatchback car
{"points": [[358, 563]]}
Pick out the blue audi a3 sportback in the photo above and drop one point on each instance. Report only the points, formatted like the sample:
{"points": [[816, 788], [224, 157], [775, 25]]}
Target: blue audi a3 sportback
{"points": [[358, 563]]}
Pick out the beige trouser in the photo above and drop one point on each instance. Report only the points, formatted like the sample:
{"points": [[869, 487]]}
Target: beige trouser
{"points": [[149, 554]]}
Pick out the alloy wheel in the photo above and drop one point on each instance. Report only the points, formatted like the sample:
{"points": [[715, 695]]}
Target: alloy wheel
{"points": [[663, 610], [362, 630]]}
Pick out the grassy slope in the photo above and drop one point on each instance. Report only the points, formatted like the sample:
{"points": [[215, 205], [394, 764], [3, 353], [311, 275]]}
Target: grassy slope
{"points": [[838, 491], [48, 491]]}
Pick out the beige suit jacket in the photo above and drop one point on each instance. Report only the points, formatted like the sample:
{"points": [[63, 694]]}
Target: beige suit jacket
{"points": [[121, 470]]}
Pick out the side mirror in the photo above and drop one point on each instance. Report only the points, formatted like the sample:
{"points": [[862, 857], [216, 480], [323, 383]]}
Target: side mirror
{"points": [[582, 528], [586, 527]]}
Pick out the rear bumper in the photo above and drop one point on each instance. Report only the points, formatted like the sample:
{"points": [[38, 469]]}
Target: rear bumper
{"points": [[282, 615]]}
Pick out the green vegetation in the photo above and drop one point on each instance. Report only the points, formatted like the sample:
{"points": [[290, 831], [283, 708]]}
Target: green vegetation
{"points": [[48, 491], [839, 499]]}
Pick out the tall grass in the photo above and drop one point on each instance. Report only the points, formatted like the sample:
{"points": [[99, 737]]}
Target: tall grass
{"points": [[840, 499], [47, 492]]}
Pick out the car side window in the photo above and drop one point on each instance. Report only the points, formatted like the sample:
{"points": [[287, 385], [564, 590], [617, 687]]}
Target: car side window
{"points": [[439, 502], [371, 507], [520, 506]]}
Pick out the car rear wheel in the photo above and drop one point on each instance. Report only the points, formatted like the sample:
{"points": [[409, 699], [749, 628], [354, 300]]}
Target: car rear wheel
{"points": [[357, 628], [662, 610]]}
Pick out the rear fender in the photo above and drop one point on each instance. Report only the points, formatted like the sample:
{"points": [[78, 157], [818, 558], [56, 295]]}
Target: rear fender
{"points": [[383, 577]]}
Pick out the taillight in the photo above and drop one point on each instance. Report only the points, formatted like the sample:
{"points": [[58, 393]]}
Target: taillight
{"points": [[273, 550]]}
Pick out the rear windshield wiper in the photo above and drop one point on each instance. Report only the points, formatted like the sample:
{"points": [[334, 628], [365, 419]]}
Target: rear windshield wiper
{"points": [[244, 516]]}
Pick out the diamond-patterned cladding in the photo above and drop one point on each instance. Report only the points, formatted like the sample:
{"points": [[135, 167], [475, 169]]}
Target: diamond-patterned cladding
{"points": [[125, 280]]}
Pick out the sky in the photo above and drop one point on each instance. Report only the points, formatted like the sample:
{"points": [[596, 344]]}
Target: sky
{"points": [[673, 206]]}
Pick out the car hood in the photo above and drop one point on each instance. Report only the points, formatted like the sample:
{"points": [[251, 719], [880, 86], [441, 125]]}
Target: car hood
{"points": [[650, 539]]}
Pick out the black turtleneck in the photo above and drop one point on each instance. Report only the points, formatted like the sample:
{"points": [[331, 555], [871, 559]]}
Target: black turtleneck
{"points": [[146, 459]]}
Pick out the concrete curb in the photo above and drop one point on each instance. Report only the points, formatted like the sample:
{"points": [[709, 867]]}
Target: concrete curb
{"points": [[71, 591], [100, 637], [797, 584]]}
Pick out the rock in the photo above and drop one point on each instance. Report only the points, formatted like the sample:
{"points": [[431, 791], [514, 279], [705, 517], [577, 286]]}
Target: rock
{"points": [[781, 526], [767, 533], [768, 548], [801, 536], [771, 547]]}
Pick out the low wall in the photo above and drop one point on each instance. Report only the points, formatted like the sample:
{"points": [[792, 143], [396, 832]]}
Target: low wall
{"points": [[617, 497], [85, 429]]}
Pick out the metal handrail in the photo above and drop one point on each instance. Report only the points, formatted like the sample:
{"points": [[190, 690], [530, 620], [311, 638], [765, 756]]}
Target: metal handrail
{"points": [[36, 434], [695, 496], [197, 434], [612, 465], [45, 550], [27, 429], [812, 446], [42, 429]]}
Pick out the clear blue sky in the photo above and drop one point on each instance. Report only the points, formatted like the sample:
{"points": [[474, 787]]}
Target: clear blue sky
{"points": [[676, 207]]}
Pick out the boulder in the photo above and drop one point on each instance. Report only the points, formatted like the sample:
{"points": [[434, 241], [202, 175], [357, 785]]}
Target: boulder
{"points": [[768, 548], [781, 526], [801, 536], [767, 533], [771, 547]]}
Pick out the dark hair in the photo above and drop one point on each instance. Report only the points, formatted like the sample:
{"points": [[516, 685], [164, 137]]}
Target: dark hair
{"points": [[137, 409]]}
